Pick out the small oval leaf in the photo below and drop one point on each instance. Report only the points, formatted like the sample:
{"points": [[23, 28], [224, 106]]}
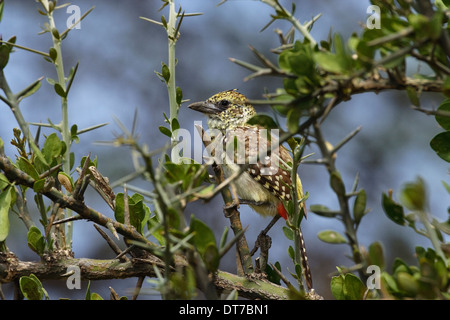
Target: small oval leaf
{"points": [[60, 90], [165, 72], [359, 207], [336, 183], [441, 145], [443, 121], [393, 210], [330, 236], [53, 54], [165, 131]]}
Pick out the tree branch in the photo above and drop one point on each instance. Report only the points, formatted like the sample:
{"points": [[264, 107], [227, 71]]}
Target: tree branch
{"points": [[67, 201], [11, 269]]}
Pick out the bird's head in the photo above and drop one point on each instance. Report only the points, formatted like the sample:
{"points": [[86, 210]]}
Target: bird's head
{"points": [[225, 110]]}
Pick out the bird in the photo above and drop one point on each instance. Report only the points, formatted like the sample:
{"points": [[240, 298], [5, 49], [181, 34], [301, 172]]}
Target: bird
{"points": [[265, 182]]}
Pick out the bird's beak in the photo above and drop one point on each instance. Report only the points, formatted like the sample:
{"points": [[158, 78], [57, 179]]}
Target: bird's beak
{"points": [[205, 107]]}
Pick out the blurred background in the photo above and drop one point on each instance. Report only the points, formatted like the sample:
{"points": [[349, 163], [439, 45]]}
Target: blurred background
{"points": [[118, 54]]}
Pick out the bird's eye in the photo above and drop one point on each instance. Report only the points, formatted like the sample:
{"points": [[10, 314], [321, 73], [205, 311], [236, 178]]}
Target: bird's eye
{"points": [[224, 103]]}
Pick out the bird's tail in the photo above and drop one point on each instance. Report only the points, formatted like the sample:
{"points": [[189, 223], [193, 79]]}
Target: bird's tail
{"points": [[305, 264]]}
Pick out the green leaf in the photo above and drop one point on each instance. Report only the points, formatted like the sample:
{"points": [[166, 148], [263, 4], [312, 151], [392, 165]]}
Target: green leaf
{"points": [[26, 166], [60, 90], [1, 10], [420, 23], [376, 256], [223, 239], [393, 210], [51, 81], [53, 147], [328, 62], [203, 237], [36, 241], [446, 88], [4, 56], [73, 133], [289, 233], [32, 288], [139, 213], [272, 275], [413, 195], [400, 265], [179, 95], [156, 229], [5, 203], [53, 54], [445, 184], [291, 253], [347, 287], [337, 287], [407, 283], [283, 60], [175, 124], [413, 96], [298, 271], [165, 72], [87, 295], [5, 50], [164, 21], [4, 182], [165, 131], [359, 207], [436, 25], [336, 183], [55, 33], [354, 287], [95, 296], [330, 236], [72, 73], [293, 118], [28, 91], [38, 185], [323, 211], [211, 257], [264, 121], [91, 162], [444, 122], [441, 5], [389, 282]]}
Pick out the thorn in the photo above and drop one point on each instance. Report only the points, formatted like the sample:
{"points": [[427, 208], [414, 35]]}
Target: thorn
{"points": [[111, 228]]}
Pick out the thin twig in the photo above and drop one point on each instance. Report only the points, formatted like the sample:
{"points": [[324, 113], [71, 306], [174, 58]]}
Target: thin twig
{"points": [[69, 219], [264, 232], [124, 252], [441, 113], [138, 287], [50, 171], [77, 194], [111, 243], [345, 140], [126, 208]]}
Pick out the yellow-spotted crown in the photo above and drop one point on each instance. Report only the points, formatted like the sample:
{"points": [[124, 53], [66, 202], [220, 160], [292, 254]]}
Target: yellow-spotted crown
{"points": [[226, 110]]}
